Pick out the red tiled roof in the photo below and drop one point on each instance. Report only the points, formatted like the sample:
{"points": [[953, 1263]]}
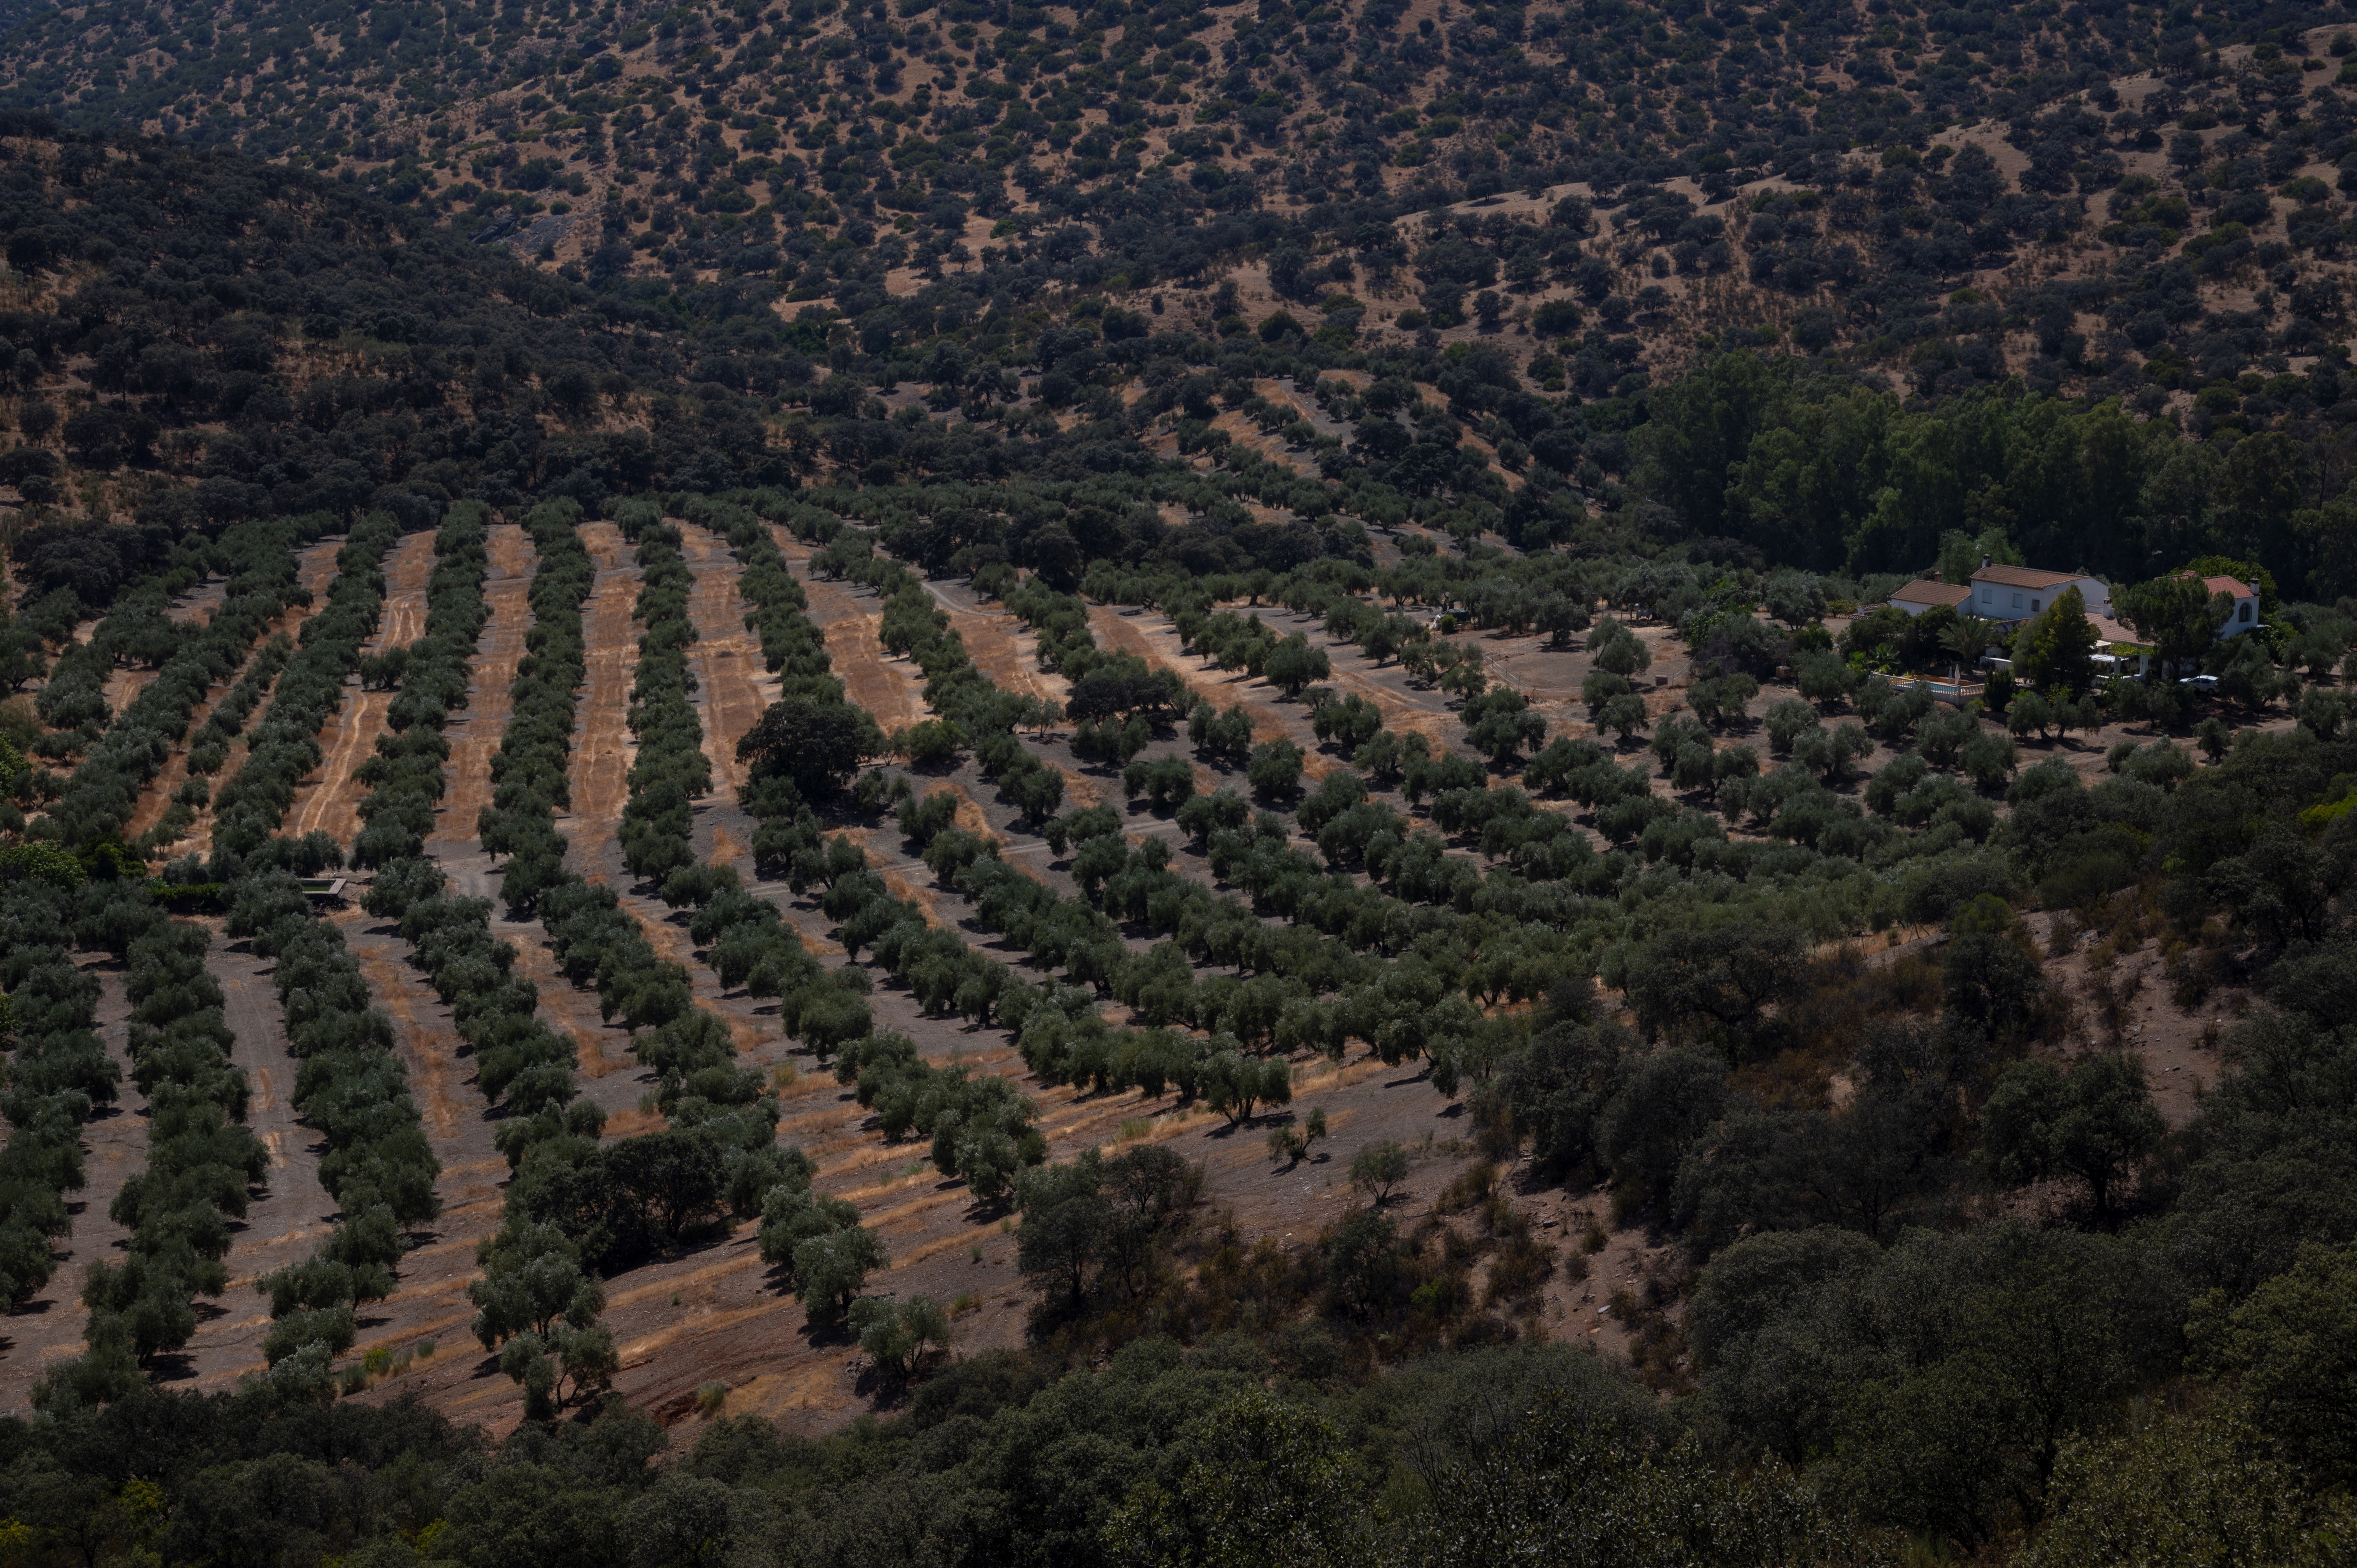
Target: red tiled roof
{"points": [[2229, 586], [1930, 593], [2111, 631]]}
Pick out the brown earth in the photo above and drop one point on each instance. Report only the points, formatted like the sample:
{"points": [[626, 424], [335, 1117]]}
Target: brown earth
{"points": [[46, 1329], [847, 616], [316, 571], [602, 746], [733, 687], [196, 606], [329, 799], [1000, 645], [474, 732], [293, 1213], [123, 687]]}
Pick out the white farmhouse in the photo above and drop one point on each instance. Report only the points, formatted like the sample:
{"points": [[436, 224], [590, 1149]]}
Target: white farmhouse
{"points": [[2019, 592], [2244, 615]]}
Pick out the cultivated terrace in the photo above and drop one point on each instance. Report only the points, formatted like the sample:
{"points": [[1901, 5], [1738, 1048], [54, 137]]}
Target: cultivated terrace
{"points": [[932, 782]]}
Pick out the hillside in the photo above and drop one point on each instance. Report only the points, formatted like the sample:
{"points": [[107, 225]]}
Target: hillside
{"points": [[966, 785]]}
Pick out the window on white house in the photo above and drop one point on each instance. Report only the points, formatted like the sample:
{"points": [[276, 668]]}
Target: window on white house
{"points": [[2016, 601], [2033, 607], [2246, 610]]}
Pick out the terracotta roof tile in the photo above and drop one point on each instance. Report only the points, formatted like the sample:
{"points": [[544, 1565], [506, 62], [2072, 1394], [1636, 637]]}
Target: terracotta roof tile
{"points": [[1930, 593]]}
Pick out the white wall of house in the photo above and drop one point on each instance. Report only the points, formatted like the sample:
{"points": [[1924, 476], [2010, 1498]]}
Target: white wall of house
{"points": [[2003, 601]]}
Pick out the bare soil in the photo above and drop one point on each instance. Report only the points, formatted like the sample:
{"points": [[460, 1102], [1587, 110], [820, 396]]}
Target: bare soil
{"points": [[196, 606], [1000, 645], [474, 732], [329, 799], [47, 1328], [847, 616], [291, 1212], [733, 686], [316, 571], [603, 748]]}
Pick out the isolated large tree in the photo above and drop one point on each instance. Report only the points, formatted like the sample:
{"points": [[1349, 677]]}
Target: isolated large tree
{"points": [[819, 745]]}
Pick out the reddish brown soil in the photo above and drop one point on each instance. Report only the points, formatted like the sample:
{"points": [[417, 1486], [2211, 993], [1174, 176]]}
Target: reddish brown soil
{"points": [[329, 799], [293, 1212], [890, 689], [474, 731], [602, 746], [733, 687], [47, 1328], [316, 570], [1000, 645]]}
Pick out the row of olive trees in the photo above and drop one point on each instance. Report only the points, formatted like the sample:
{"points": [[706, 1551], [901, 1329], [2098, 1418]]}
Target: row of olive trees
{"points": [[104, 792], [1062, 1036], [578, 1209], [200, 1158], [136, 630], [284, 746], [536, 1305], [805, 746], [669, 771], [350, 1084], [405, 776], [59, 1072], [360, 1083]]}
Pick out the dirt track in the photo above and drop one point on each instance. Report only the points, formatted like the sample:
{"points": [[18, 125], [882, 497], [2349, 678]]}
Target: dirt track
{"points": [[1000, 645], [329, 799]]}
